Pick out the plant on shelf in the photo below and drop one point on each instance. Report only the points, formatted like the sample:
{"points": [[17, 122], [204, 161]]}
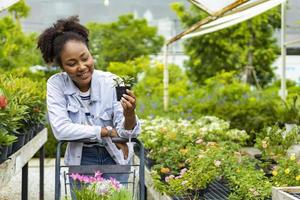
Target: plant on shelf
{"points": [[5, 138], [122, 84], [96, 187]]}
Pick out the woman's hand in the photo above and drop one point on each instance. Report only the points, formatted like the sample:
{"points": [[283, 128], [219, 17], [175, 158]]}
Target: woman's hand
{"points": [[128, 102], [124, 148]]}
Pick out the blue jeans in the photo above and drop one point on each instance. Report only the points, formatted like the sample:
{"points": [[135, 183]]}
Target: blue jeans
{"points": [[97, 155]]}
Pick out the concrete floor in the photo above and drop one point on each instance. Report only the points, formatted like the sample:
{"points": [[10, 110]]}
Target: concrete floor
{"points": [[12, 191]]}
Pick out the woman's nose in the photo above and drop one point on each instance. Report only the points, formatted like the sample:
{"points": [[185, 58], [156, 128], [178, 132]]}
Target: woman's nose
{"points": [[82, 66]]}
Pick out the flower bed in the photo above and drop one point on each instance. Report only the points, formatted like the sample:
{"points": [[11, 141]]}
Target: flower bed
{"points": [[192, 155]]}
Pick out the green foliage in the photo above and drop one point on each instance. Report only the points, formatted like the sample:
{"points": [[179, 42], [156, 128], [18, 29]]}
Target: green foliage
{"points": [[229, 49], [290, 112], [26, 103], [149, 91], [123, 40], [274, 142], [5, 138], [131, 68], [287, 172], [246, 181], [19, 10], [16, 48]]}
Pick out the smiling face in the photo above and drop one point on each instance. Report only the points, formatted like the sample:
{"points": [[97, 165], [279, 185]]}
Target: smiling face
{"points": [[77, 61]]}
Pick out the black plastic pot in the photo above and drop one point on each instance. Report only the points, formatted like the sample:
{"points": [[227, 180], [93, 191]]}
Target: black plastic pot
{"points": [[38, 128], [19, 143], [3, 150], [27, 137], [31, 133], [120, 91], [9, 150]]}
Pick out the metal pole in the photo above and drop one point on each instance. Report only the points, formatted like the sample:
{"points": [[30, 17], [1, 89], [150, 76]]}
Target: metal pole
{"points": [[25, 182], [42, 157], [283, 91], [166, 79], [57, 171]]}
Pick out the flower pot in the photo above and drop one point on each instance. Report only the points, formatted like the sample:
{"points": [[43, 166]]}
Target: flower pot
{"points": [[3, 155], [19, 143], [38, 128], [31, 133], [120, 91], [9, 150], [27, 137]]}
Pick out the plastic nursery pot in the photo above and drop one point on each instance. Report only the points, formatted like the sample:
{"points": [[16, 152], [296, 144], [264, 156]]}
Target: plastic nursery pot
{"points": [[121, 90], [3, 153], [19, 143], [9, 150]]}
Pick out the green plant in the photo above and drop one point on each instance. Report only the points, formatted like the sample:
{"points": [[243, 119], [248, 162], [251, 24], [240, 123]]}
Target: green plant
{"points": [[123, 40], [274, 141], [291, 111], [5, 138], [287, 172], [96, 187], [124, 81]]}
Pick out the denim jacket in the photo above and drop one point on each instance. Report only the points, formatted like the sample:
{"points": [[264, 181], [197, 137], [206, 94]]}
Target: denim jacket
{"points": [[68, 120]]}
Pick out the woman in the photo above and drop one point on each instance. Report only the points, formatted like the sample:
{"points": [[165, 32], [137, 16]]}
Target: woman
{"points": [[82, 101]]}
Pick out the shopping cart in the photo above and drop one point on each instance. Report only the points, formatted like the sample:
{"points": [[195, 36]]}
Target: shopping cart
{"points": [[135, 171]]}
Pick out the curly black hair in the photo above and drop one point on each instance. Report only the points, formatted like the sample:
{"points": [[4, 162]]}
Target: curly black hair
{"points": [[53, 39]]}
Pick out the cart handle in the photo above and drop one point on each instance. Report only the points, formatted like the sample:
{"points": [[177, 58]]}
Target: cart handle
{"points": [[114, 140]]}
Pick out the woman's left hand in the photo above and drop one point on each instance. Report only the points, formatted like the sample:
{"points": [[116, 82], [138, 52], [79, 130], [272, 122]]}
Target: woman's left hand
{"points": [[128, 102]]}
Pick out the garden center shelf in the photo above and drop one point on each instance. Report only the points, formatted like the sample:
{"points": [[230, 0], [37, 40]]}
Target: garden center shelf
{"points": [[19, 161], [286, 193]]}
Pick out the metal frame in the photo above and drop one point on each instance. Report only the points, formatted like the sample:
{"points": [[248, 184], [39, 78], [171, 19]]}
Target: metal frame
{"points": [[141, 166]]}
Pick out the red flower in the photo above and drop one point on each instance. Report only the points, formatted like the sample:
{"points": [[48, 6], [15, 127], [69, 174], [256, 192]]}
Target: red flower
{"points": [[3, 102]]}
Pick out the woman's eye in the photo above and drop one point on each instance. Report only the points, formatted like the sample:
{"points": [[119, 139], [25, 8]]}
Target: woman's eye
{"points": [[85, 58], [71, 64]]}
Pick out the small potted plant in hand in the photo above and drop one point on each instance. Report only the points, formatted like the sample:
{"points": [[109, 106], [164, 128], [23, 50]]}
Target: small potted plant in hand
{"points": [[122, 84]]}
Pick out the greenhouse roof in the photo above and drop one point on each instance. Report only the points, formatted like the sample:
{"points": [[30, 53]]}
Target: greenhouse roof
{"points": [[6, 3], [225, 13]]}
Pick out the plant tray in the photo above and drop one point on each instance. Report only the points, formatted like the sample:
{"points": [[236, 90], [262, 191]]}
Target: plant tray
{"points": [[217, 190], [286, 193]]}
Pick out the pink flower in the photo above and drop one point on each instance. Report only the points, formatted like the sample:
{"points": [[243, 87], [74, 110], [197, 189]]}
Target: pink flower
{"points": [[86, 179], [75, 176], [168, 178], [115, 183], [183, 171], [97, 174]]}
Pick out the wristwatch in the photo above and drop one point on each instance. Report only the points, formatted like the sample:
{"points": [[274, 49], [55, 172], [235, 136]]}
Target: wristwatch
{"points": [[109, 131]]}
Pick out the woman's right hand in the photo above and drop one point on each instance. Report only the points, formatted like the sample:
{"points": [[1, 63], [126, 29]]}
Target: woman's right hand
{"points": [[105, 132]]}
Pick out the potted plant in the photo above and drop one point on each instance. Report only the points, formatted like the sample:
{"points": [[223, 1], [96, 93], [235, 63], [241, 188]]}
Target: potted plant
{"points": [[122, 84], [5, 141], [96, 187]]}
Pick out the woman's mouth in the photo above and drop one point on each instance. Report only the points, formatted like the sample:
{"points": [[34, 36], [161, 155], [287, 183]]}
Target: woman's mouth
{"points": [[84, 75]]}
